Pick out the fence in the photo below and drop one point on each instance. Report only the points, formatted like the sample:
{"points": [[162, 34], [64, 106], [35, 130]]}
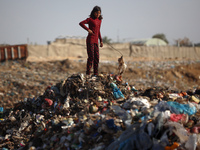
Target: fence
{"points": [[13, 52]]}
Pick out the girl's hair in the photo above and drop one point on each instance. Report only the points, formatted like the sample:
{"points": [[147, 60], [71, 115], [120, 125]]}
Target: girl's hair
{"points": [[95, 9]]}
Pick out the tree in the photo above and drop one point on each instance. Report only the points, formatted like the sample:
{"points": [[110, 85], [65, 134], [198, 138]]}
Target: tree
{"points": [[183, 42], [106, 40], [161, 36], [4, 44], [197, 44]]}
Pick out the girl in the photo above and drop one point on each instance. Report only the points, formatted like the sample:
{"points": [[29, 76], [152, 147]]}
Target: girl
{"points": [[94, 24]]}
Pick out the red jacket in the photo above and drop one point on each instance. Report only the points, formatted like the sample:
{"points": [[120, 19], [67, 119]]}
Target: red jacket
{"points": [[94, 25]]}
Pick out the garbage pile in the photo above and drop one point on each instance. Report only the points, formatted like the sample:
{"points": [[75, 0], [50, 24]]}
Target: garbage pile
{"points": [[103, 112]]}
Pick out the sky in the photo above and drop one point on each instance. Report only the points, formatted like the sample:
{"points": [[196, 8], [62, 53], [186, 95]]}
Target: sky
{"points": [[39, 21]]}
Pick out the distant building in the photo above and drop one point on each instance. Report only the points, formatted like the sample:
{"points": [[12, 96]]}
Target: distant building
{"points": [[69, 39], [148, 42]]}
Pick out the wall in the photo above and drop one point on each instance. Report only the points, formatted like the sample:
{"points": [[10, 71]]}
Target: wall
{"points": [[75, 50]]}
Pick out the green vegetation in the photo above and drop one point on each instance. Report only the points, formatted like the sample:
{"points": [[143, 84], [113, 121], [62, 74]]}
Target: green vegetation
{"points": [[161, 36], [106, 40]]}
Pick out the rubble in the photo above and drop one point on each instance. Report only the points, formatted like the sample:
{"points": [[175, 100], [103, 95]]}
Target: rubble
{"points": [[100, 112]]}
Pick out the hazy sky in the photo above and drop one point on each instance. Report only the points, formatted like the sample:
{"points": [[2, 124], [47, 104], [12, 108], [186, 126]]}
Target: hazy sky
{"points": [[39, 21]]}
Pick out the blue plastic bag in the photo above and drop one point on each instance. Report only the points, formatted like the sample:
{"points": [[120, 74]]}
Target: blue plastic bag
{"points": [[116, 91], [183, 108]]}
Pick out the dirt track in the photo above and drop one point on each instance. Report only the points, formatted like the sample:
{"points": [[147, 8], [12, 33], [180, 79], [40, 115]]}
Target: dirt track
{"points": [[21, 79]]}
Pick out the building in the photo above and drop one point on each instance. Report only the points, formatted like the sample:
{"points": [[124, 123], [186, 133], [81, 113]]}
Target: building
{"points": [[148, 42]]}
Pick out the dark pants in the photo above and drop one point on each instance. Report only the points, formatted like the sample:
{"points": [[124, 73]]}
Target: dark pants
{"points": [[93, 58]]}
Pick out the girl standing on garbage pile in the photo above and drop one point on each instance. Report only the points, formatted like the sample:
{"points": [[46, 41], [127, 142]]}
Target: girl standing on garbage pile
{"points": [[94, 25]]}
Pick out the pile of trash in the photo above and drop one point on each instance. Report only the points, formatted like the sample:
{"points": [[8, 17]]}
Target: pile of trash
{"points": [[103, 112]]}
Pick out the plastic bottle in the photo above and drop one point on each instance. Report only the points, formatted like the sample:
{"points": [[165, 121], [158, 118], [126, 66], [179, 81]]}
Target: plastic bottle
{"points": [[134, 89], [113, 85], [150, 128], [1, 113], [173, 147], [128, 86]]}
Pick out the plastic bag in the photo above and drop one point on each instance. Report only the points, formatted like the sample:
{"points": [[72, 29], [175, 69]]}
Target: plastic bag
{"points": [[133, 137], [160, 119], [191, 144], [163, 106], [179, 130], [116, 91], [139, 101], [123, 114], [189, 108], [173, 95], [157, 145], [150, 128]]}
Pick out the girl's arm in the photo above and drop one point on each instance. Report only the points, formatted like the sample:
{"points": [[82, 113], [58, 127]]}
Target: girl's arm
{"points": [[100, 36], [101, 41], [82, 24]]}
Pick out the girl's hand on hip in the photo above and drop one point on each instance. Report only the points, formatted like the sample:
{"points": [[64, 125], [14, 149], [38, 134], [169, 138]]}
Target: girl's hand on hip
{"points": [[90, 31]]}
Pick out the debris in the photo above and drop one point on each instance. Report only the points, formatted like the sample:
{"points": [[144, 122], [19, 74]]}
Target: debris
{"points": [[100, 112]]}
